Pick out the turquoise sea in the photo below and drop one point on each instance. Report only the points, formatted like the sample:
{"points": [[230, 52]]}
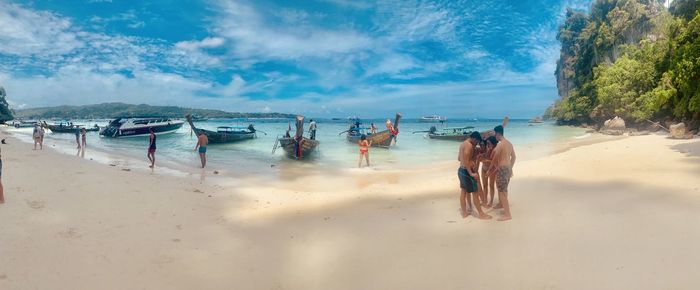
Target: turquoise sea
{"points": [[175, 150]]}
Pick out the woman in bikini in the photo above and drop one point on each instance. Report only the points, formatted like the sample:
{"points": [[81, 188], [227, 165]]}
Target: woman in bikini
{"points": [[364, 150], [489, 179]]}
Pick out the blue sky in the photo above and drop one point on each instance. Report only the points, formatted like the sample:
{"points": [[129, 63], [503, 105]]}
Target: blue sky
{"points": [[322, 58]]}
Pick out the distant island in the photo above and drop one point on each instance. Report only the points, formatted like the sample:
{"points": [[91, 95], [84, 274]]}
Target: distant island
{"points": [[114, 110]]}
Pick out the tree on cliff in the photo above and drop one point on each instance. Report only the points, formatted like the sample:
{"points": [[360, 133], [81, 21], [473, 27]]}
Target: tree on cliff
{"points": [[5, 112], [629, 58]]}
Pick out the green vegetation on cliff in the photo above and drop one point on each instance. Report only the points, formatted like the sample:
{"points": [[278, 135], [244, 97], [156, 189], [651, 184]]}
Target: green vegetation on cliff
{"points": [[5, 112], [113, 110], [629, 58]]}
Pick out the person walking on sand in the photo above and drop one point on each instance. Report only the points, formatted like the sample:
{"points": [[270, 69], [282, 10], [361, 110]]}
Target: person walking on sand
{"points": [[77, 136], [202, 142], [83, 133], [364, 150], [467, 177], [502, 165], [36, 135], [151, 147]]}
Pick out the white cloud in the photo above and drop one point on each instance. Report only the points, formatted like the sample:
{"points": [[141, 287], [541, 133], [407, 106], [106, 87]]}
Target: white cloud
{"points": [[476, 54], [25, 33], [252, 37], [208, 42]]}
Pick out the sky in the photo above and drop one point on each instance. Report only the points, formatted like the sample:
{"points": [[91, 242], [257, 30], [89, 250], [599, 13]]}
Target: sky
{"points": [[321, 58]]}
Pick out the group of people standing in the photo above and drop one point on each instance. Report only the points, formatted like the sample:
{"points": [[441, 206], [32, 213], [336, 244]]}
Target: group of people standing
{"points": [[495, 157]]}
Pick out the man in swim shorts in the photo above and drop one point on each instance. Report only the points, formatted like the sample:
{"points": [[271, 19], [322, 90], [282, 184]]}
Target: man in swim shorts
{"points": [[467, 177], [202, 142], [502, 165]]}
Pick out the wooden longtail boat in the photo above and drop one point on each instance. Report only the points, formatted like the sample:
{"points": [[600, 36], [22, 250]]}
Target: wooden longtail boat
{"points": [[458, 133], [297, 147], [225, 134], [450, 133], [380, 139], [69, 128]]}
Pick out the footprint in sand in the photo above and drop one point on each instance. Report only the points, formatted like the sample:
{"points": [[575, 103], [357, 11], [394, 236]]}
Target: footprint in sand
{"points": [[70, 233], [163, 259], [3, 276], [36, 204]]}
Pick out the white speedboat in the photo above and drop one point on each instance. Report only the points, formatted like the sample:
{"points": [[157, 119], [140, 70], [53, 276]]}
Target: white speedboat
{"points": [[128, 127], [433, 119]]}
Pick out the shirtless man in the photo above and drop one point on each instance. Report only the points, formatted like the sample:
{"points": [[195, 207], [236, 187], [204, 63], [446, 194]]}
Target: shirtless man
{"points": [[468, 176], [502, 165], [202, 142]]}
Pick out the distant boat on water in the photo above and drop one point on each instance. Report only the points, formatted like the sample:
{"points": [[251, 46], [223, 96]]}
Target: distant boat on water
{"points": [[432, 119], [23, 124], [535, 120], [131, 127]]}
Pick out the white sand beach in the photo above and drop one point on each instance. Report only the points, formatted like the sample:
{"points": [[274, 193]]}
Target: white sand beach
{"points": [[621, 214]]}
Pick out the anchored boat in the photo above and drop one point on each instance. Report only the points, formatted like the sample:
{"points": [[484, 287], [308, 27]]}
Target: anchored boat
{"points": [[132, 127], [297, 146], [68, 128], [448, 133], [379, 139], [226, 134]]}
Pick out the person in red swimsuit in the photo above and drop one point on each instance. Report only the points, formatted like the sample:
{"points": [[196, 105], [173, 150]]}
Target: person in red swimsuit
{"points": [[364, 150]]}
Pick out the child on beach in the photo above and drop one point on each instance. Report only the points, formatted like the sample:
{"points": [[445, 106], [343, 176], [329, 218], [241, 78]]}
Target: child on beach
{"points": [[364, 150]]}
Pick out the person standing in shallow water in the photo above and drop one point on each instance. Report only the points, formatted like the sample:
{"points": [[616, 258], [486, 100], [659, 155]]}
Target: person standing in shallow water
{"points": [[151, 147], [312, 129], [202, 142], [468, 177], [364, 150], [502, 165]]}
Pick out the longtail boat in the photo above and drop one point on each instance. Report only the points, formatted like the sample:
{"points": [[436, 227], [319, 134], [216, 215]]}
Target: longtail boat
{"points": [[225, 134], [380, 139], [68, 128], [458, 133], [297, 147], [450, 133]]}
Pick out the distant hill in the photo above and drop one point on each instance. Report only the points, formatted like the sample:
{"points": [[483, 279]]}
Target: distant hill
{"points": [[113, 110]]}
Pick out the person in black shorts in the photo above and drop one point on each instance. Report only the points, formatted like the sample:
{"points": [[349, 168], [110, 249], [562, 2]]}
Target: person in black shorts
{"points": [[152, 148], [467, 177]]}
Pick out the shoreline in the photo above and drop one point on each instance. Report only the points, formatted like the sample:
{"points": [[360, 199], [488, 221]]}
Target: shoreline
{"points": [[276, 165], [70, 223]]}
